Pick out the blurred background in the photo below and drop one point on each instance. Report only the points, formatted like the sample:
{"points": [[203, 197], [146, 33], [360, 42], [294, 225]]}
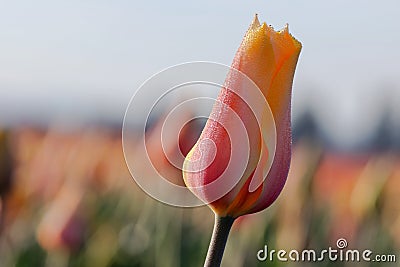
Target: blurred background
{"points": [[68, 70]]}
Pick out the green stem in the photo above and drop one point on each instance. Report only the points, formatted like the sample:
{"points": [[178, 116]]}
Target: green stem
{"points": [[220, 234]]}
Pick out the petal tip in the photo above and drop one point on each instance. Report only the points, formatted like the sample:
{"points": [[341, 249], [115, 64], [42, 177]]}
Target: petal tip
{"points": [[256, 23], [285, 31]]}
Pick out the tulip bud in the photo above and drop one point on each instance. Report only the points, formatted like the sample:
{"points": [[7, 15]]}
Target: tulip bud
{"points": [[269, 59]]}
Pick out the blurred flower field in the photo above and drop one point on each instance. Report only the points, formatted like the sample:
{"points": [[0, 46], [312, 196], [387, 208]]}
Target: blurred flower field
{"points": [[67, 199]]}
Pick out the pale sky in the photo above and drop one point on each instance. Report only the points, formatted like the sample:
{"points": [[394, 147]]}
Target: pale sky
{"points": [[79, 60]]}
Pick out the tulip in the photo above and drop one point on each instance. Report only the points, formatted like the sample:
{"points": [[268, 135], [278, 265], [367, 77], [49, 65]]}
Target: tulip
{"points": [[269, 59], [62, 226]]}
